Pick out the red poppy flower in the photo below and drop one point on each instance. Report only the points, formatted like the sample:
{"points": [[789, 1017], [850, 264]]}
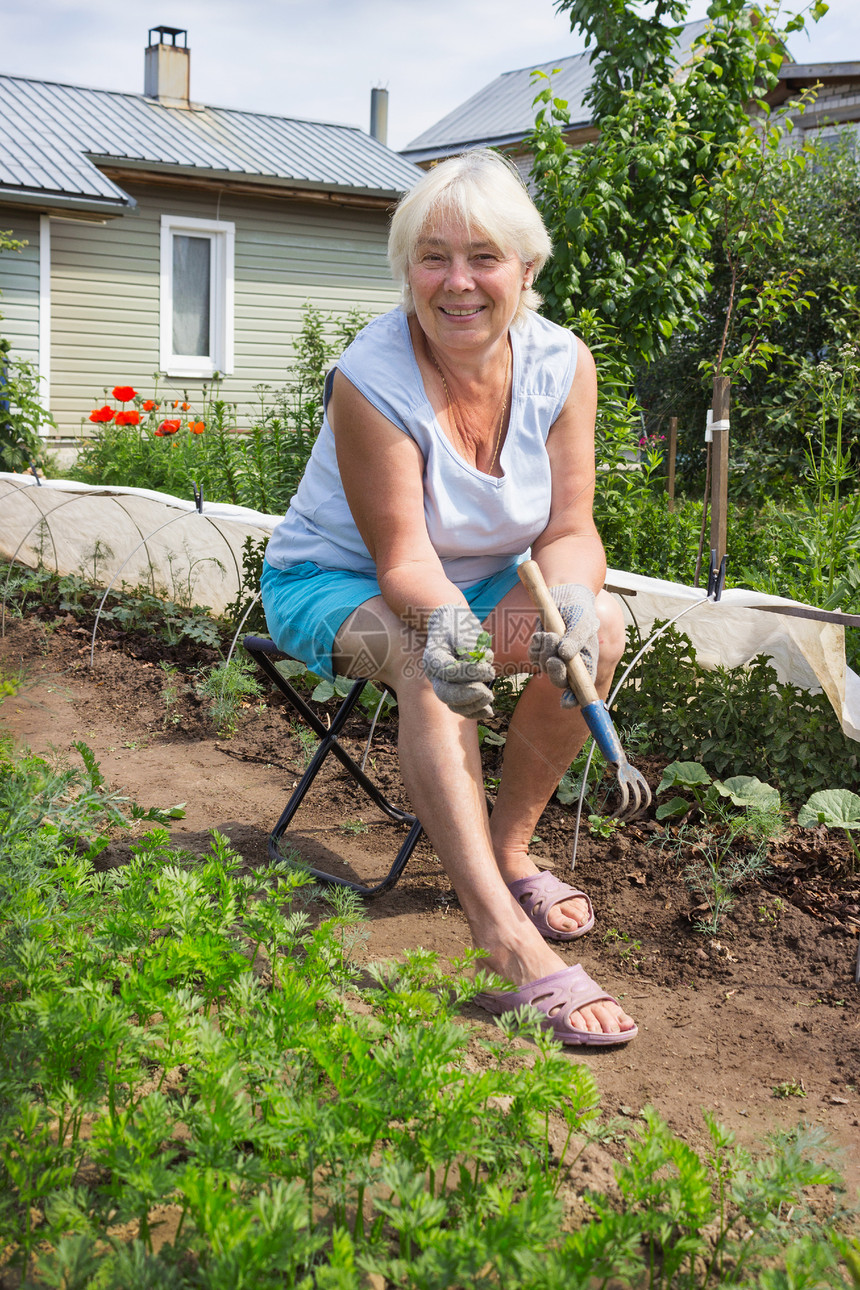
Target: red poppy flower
{"points": [[176, 403], [196, 427], [185, 407], [102, 414], [168, 427], [150, 405], [130, 418], [124, 393]]}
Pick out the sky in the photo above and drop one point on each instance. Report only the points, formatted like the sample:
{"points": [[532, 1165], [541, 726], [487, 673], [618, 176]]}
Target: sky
{"points": [[319, 59]]}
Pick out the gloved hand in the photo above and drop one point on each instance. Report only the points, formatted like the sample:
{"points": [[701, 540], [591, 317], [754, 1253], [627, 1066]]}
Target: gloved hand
{"points": [[551, 652], [459, 681]]}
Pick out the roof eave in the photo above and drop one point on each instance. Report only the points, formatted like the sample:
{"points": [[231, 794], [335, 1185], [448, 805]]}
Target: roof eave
{"points": [[580, 131], [49, 202], [134, 169]]}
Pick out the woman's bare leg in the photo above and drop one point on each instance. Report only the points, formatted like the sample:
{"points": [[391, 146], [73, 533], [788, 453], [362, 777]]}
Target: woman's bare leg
{"points": [[441, 768], [543, 739]]}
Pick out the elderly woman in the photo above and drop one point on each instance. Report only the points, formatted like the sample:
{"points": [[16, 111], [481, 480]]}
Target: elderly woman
{"points": [[458, 436]]}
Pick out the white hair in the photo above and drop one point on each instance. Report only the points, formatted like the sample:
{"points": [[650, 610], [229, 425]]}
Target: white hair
{"points": [[484, 193]]}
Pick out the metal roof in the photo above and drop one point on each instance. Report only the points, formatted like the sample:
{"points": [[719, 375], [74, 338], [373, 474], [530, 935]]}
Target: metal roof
{"points": [[503, 111], [49, 134]]}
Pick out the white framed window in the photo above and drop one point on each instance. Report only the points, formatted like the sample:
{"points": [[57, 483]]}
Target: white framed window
{"points": [[196, 328]]}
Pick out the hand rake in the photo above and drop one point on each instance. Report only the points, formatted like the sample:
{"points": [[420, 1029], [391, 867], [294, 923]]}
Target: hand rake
{"points": [[633, 790]]}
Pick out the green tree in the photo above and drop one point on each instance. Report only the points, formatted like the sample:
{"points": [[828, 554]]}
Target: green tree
{"points": [[634, 216], [777, 401]]}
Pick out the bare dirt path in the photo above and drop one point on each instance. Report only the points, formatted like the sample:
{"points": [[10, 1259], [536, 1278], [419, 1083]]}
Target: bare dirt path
{"points": [[770, 1003]]}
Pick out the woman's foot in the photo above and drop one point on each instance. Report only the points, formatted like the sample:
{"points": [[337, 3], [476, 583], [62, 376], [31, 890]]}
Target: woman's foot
{"points": [[564, 916], [533, 959]]}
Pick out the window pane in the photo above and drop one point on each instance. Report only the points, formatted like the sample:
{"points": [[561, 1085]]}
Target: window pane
{"points": [[191, 294]]}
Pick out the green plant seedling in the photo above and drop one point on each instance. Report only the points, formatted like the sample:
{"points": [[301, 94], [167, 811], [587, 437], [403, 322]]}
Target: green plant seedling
{"points": [[483, 645], [354, 826], [603, 826], [489, 737], [789, 1088], [835, 808]]}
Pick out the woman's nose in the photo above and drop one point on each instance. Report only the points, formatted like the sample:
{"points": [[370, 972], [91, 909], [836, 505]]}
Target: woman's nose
{"points": [[459, 275]]}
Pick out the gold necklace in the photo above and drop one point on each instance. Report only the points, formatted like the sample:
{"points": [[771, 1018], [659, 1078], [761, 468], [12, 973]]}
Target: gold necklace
{"points": [[453, 406]]}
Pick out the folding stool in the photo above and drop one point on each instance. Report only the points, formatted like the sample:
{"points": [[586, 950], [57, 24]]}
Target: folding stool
{"points": [[266, 654]]}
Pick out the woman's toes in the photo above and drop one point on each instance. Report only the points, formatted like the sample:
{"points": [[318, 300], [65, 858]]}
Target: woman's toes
{"points": [[602, 1018], [568, 915]]}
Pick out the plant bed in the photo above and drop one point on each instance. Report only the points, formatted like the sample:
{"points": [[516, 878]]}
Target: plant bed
{"points": [[767, 1001]]}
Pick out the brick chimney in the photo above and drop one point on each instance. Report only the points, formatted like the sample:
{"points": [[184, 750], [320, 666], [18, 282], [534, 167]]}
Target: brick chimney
{"points": [[167, 67]]}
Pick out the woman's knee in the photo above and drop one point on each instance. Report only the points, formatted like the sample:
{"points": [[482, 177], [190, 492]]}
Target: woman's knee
{"points": [[373, 642]]}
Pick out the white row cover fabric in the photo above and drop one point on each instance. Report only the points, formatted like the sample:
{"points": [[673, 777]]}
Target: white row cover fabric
{"points": [[160, 542], [129, 535]]}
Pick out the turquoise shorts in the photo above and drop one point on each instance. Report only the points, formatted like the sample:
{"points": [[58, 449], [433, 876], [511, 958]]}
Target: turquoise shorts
{"points": [[306, 606]]}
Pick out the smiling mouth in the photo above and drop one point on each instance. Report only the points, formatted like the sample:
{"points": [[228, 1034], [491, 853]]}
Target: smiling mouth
{"points": [[462, 313]]}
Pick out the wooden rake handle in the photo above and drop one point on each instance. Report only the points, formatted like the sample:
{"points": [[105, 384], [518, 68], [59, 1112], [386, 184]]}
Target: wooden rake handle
{"points": [[577, 673]]}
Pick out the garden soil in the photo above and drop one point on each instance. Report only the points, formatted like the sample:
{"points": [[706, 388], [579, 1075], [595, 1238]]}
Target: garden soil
{"points": [[759, 1025]]}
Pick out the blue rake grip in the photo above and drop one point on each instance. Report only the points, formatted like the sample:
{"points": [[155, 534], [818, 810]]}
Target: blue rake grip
{"points": [[599, 722]]}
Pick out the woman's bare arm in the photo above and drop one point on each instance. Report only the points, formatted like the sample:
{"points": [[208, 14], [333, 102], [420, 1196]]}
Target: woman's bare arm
{"points": [[382, 471], [569, 549]]}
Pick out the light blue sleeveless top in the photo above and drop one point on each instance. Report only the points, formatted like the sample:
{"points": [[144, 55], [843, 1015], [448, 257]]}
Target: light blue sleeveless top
{"points": [[477, 524]]}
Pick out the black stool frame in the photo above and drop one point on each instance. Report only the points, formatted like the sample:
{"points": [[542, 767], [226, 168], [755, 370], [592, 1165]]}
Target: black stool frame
{"points": [[266, 654]]}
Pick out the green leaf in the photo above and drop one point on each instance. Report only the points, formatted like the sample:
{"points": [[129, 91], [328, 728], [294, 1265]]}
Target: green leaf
{"points": [[748, 790], [675, 806], [833, 807], [684, 774]]}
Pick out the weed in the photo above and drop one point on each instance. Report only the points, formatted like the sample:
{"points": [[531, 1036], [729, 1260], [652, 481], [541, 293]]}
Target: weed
{"points": [[226, 686], [353, 827], [771, 913], [628, 948], [171, 691], [789, 1088], [307, 741], [603, 826]]}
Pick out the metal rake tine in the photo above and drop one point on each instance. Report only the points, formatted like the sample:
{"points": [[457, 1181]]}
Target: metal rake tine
{"points": [[630, 780]]}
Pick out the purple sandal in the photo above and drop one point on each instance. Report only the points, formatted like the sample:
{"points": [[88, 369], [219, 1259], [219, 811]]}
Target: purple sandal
{"points": [[557, 996], [539, 894]]}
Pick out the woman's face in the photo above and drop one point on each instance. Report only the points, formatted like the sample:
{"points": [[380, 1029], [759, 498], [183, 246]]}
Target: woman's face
{"points": [[466, 290]]}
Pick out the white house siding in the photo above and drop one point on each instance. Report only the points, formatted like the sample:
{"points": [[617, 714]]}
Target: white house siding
{"points": [[105, 293], [19, 285]]}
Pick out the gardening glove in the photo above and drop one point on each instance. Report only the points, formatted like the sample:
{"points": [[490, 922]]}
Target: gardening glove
{"points": [[550, 652], [458, 680]]}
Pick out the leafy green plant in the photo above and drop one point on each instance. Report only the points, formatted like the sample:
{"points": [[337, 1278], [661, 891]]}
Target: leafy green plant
{"points": [[835, 808], [23, 419], [353, 827], [743, 791], [735, 721], [371, 700], [729, 844]]}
